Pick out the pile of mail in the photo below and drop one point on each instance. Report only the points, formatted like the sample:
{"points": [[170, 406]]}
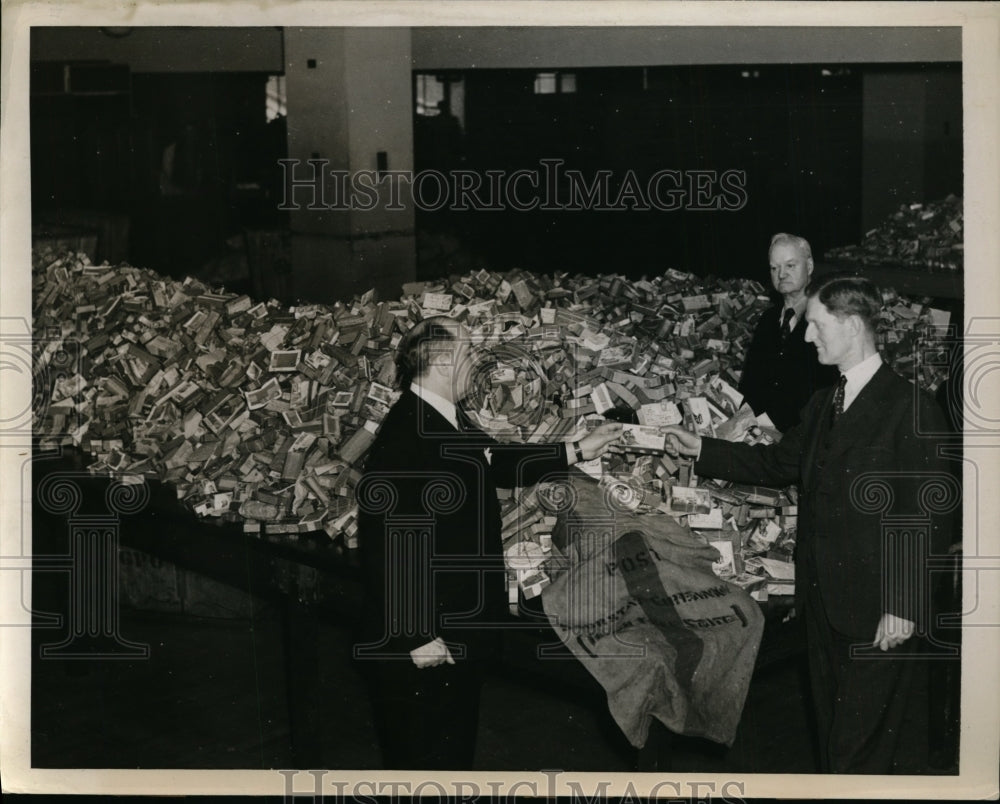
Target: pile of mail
{"points": [[262, 414]]}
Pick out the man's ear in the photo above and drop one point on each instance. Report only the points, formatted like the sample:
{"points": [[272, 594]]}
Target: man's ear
{"points": [[435, 364], [809, 266]]}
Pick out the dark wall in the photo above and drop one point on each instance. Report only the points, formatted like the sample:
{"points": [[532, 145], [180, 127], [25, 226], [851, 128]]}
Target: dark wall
{"points": [[216, 125], [792, 131], [103, 151]]}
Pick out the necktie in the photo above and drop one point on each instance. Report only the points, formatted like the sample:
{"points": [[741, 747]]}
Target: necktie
{"points": [[838, 398], [471, 431], [786, 324]]}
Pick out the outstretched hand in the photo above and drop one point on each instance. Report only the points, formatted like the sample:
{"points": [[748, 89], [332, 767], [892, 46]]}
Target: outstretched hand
{"points": [[681, 442], [596, 443]]}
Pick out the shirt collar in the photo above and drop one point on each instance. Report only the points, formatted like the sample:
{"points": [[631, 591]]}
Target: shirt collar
{"points": [[795, 314], [859, 376], [438, 402]]}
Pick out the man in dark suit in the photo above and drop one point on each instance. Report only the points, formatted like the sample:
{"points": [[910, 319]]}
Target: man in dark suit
{"points": [[860, 455], [781, 371], [430, 537]]}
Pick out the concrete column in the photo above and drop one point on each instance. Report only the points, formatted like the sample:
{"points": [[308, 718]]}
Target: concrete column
{"points": [[350, 98]]}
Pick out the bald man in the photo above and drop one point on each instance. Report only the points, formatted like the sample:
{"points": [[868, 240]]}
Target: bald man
{"points": [[430, 537], [781, 371]]}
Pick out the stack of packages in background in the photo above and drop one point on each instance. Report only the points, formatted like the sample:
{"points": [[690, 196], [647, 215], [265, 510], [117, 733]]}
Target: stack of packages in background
{"points": [[262, 414], [920, 236]]}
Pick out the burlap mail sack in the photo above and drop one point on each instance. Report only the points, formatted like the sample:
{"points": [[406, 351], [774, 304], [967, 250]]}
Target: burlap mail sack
{"points": [[636, 601]]}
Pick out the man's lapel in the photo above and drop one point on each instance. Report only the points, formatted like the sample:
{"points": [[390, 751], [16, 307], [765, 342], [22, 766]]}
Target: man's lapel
{"points": [[817, 427], [860, 423], [432, 423]]}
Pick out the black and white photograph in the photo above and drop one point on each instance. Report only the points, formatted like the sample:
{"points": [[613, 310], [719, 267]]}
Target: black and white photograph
{"points": [[565, 399]]}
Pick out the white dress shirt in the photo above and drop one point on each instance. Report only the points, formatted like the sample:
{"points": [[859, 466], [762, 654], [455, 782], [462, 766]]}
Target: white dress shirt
{"points": [[791, 321], [438, 402], [447, 409], [859, 376]]}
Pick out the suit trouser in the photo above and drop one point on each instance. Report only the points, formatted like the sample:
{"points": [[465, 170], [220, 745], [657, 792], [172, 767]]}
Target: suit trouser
{"points": [[425, 718], [860, 701]]}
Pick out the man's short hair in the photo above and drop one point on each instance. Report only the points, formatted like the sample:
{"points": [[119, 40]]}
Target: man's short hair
{"points": [[785, 239], [422, 341], [846, 294]]}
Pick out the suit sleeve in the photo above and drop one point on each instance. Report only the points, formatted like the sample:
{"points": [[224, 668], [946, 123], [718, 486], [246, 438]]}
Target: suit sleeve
{"points": [[524, 465], [394, 568], [771, 465]]}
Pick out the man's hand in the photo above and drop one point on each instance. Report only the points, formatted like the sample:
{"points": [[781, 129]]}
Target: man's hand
{"points": [[596, 443], [681, 441], [432, 654], [892, 631]]}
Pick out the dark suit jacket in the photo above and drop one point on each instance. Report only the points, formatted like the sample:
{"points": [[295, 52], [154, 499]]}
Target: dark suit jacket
{"points": [[777, 378], [422, 476], [877, 465]]}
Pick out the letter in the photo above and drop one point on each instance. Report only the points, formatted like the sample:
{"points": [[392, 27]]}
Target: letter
{"points": [[739, 799], [418, 195], [696, 785], [290, 183], [676, 195], [341, 200], [367, 191], [551, 202], [474, 789], [510, 190], [369, 799], [291, 792], [598, 190], [700, 195], [643, 558], [465, 183], [438, 786], [611, 566], [522, 783], [495, 178], [631, 190], [733, 184], [630, 793], [628, 564], [551, 787], [394, 177], [576, 791]]}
